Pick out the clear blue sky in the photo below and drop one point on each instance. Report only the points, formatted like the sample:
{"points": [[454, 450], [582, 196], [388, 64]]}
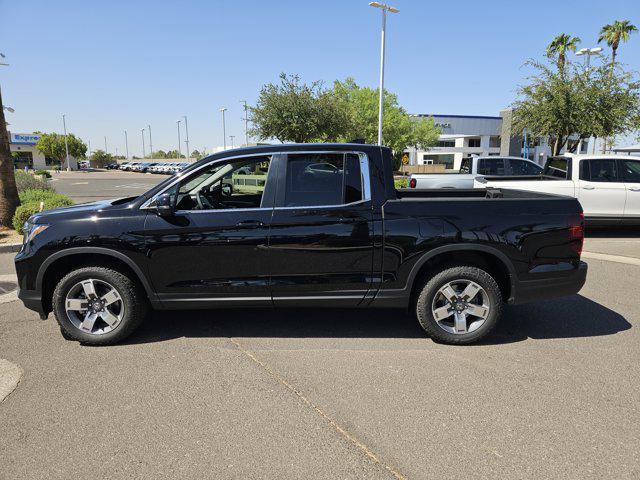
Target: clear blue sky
{"points": [[115, 65]]}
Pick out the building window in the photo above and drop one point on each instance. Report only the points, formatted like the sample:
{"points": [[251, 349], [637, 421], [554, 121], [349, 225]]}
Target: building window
{"points": [[446, 143], [474, 143], [494, 142], [446, 160]]}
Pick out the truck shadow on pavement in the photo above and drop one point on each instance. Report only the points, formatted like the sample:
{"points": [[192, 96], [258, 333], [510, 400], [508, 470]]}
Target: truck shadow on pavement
{"points": [[570, 317]]}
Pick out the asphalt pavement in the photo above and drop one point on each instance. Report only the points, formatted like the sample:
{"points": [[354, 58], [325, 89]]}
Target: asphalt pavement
{"points": [[552, 393]]}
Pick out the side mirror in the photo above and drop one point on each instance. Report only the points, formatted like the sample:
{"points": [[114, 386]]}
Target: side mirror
{"points": [[164, 205]]}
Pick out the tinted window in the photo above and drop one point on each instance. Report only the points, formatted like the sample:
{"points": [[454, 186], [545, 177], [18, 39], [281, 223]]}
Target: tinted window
{"points": [[474, 142], [556, 167], [491, 166], [631, 170], [604, 170], [465, 166], [520, 167], [322, 179]]}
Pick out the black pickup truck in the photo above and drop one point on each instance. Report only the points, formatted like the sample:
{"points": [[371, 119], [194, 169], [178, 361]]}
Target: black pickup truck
{"points": [[317, 225]]}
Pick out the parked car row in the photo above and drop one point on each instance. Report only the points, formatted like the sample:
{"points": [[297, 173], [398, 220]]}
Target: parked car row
{"points": [[167, 168]]}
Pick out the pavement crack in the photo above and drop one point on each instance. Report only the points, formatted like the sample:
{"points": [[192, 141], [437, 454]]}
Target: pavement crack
{"points": [[351, 438]]}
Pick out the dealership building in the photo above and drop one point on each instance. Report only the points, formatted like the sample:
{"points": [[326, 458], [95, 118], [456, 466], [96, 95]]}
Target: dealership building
{"points": [[25, 153], [467, 135]]}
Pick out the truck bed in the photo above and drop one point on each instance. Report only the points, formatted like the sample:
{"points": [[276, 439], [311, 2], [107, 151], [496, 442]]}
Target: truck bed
{"points": [[471, 193]]}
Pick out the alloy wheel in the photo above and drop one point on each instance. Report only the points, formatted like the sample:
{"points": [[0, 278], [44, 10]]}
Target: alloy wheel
{"points": [[460, 306], [94, 306]]}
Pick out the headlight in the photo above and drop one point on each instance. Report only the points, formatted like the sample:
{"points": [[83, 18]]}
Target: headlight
{"points": [[31, 230]]}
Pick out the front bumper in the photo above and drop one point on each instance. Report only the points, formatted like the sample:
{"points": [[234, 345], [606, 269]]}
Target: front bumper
{"points": [[551, 286]]}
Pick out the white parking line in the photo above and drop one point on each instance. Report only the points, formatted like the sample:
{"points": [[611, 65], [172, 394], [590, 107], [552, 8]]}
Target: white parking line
{"points": [[612, 258]]}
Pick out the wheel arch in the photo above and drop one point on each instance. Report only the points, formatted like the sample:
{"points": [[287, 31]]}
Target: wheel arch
{"points": [[485, 257], [61, 263]]}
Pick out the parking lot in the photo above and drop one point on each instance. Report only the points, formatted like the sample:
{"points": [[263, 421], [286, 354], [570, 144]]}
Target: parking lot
{"points": [[552, 393]]}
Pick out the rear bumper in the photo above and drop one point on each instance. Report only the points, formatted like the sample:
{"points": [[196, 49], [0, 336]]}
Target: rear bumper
{"points": [[32, 299], [551, 286]]}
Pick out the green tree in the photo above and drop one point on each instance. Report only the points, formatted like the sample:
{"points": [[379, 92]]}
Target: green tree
{"points": [[174, 154], [158, 154], [400, 130], [292, 111], [566, 107], [559, 47], [52, 145], [196, 154], [9, 200], [100, 159], [613, 34]]}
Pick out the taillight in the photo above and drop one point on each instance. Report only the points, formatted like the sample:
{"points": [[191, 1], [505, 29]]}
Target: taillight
{"points": [[576, 234], [412, 183]]}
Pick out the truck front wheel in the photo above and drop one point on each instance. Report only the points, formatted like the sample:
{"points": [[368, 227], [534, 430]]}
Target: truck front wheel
{"points": [[459, 305]]}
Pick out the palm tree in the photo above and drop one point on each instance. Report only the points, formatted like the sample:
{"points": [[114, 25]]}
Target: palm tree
{"points": [[559, 47], [613, 34]]}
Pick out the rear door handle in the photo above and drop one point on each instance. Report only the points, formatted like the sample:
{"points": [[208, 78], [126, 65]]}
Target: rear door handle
{"points": [[589, 187], [250, 224], [634, 189]]}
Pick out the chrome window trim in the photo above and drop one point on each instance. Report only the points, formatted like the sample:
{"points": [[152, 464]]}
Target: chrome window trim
{"points": [[364, 175]]}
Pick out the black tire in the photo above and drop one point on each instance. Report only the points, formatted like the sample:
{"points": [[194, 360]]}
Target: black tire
{"points": [[133, 298], [426, 297]]}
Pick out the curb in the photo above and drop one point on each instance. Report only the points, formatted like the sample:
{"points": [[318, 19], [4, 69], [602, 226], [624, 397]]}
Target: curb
{"points": [[10, 374], [10, 247]]}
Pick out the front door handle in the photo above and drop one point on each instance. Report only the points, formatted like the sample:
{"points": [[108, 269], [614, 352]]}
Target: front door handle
{"points": [[250, 224], [588, 187]]}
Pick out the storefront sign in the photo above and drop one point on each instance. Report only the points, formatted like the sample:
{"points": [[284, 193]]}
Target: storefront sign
{"points": [[24, 138]]}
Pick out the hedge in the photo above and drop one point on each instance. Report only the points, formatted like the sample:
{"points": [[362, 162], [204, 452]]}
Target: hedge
{"points": [[30, 204]]}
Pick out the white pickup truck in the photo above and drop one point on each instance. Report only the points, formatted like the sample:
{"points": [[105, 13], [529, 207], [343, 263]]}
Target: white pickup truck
{"points": [[471, 167], [607, 186]]}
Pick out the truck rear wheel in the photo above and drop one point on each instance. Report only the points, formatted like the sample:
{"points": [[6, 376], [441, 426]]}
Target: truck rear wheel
{"points": [[98, 306], [459, 305]]}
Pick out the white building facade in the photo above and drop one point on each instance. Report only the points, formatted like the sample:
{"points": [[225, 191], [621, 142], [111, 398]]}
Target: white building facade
{"points": [[463, 136]]}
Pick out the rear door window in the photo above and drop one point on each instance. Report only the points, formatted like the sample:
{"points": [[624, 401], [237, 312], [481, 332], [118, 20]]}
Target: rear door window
{"points": [[557, 167], [491, 166], [601, 170], [522, 167], [322, 179]]}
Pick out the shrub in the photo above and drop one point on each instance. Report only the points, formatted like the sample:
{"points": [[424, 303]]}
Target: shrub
{"points": [[401, 183], [37, 196], [43, 172], [24, 181], [30, 204]]}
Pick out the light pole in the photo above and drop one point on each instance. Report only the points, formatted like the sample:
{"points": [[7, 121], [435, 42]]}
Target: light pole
{"points": [[385, 8], [224, 130], [246, 123], [186, 131], [232, 137], [143, 152], [588, 52], [150, 142], [105, 145], [66, 145], [179, 149], [126, 144]]}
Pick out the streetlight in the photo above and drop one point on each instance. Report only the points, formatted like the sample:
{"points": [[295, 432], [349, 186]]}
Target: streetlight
{"points": [[8, 109], [246, 123], [179, 149], [126, 143], [2, 63], [588, 52], [66, 145], [385, 8], [232, 137], [143, 152], [186, 131], [224, 130], [105, 145], [150, 143]]}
